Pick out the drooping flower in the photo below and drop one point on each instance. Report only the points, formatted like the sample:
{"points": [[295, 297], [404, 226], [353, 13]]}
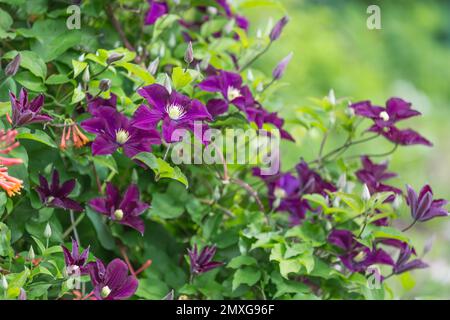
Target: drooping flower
{"points": [[112, 282], [74, 134], [373, 175], [404, 264], [157, 10], [124, 209], [385, 119], [278, 28], [201, 263], [13, 66], [114, 130], [7, 144], [175, 110], [56, 195], [355, 256], [76, 261], [422, 206], [25, 112]]}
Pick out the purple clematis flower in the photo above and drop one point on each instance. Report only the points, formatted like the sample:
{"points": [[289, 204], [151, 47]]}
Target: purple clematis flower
{"points": [[124, 210], [114, 130], [203, 263], [355, 256], [278, 28], [385, 119], [95, 104], [403, 263], [74, 260], [229, 84], [311, 181], [56, 195], [25, 112], [112, 282], [175, 110], [260, 116], [156, 11], [373, 175], [423, 207]]}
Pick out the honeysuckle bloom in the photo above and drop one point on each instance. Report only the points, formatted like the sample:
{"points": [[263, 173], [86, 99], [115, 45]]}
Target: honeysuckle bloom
{"points": [[124, 209], [157, 10], [311, 181], [355, 256], [422, 206], [114, 130], [73, 133], [11, 185], [74, 260], [25, 112], [56, 195], [112, 282], [7, 144], [385, 119], [201, 263], [175, 110], [373, 175]]}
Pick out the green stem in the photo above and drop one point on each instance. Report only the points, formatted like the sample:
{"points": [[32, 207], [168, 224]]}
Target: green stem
{"points": [[256, 57]]}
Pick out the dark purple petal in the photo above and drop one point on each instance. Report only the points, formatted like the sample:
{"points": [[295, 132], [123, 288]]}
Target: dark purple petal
{"points": [[156, 95], [156, 11]]}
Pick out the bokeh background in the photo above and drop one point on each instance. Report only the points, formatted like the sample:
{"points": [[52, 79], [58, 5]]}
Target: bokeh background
{"points": [[410, 58]]}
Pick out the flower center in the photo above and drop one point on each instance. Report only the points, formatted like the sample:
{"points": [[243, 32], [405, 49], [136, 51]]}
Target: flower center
{"points": [[175, 111], [360, 257], [233, 93], [279, 193], [384, 115], [122, 136], [118, 214], [105, 292]]}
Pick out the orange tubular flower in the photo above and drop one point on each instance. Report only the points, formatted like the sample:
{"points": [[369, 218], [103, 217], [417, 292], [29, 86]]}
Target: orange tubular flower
{"points": [[7, 143], [11, 185], [73, 133]]}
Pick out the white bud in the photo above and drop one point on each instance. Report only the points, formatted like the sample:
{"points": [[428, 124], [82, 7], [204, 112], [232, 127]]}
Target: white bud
{"points": [[162, 51], [336, 202], [86, 75], [342, 181], [4, 283], [365, 193], [172, 40], [167, 83], [397, 202], [332, 97], [260, 87], [259, 34], [81, 58], [250, 76], [153, 66], [31, 254], [47, 231]]}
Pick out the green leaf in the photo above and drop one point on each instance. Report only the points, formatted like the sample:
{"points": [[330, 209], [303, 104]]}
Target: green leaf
{"points": [[240, 261], [181, 78], [161, 168], [5, 20], [78, 95], [57, 79], [289, 266], [78, 67], [30, 61], [164, 206], [5, 241], [246, 275], [103, 232], [37, 135], [138, 71], [30, 81]]}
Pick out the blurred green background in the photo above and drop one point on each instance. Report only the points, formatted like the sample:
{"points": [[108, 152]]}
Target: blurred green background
{"points": [[410, 58]]}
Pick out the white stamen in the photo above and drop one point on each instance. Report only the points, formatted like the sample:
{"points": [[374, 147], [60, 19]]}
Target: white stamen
{"points": [[279, 193], [175, 111], [360, 257], [122, 136], [105, 292], [233, 93], [118, 214], [384, 115]]}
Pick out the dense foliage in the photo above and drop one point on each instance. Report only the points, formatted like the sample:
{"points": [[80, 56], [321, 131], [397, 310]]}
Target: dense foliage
{"points": [[95, 207]]}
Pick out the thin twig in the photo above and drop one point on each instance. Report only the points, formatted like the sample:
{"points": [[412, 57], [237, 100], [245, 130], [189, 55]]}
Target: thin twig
{"points": [[116, 24]]}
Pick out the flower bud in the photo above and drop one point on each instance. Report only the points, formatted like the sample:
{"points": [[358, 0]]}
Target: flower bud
{"points": [[105, 292], [22, 294], [342, 181], [189, 55], [278, 29], [105, 85], [332, 97], [167, 83], [47, 231], [397, 202], [365, 196], [4, 283], [172, 40], [13, 66], [250, 76], [113, 57], [153, 66], [86, 75], [279, 70], [31, 254]]}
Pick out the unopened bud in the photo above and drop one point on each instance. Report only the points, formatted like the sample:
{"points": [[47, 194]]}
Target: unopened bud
{"points": [[172, 40], [13, 66], [153, 66], [167, 83], [105, 85], [4, 283], [332, 97], [86, 75], [31, 254], [365, 196], [278, 29], [279, 70], [22, 294], [113, 57], [47, 231], [250, 76], [189, 54]]}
